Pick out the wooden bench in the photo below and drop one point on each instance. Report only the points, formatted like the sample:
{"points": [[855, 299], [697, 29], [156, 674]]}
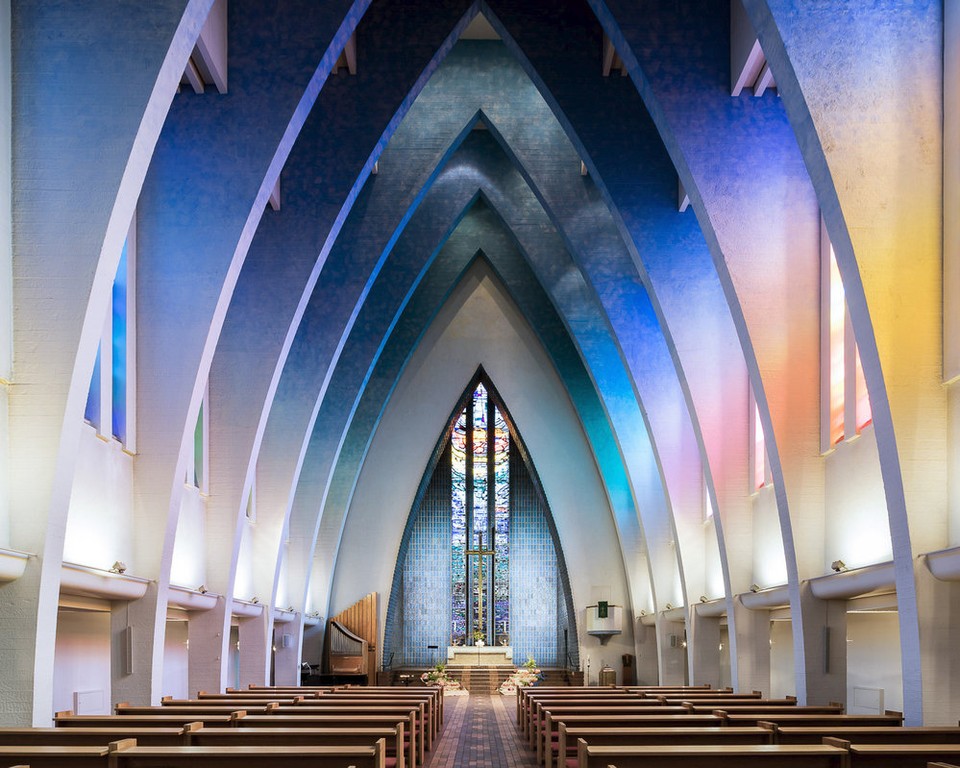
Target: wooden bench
{"points": [[92, 737], [419, 727], [193, 709], [899, 755], [525, 701], [543, 728], [722, 702], [809, 720], [526, 691], [426, 702], [712, 756], [127, 754], [70, 720], [566, 755], [300, 737], [65, 756], [867, 735], [433, 694], [536, 705], [705, 696], [760, 709], [413, 752]]}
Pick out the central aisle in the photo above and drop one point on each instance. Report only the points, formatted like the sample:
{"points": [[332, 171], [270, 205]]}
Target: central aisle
{"points": [[480, 731]]}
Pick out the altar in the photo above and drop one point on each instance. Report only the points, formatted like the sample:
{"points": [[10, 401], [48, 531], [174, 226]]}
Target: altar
{"points": [[479, 656]]}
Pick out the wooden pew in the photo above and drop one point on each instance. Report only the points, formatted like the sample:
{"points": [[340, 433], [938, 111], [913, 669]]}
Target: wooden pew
{"points": [[70, 720], [434, 693], [899, 755], [257, 696], [298, 737], [810, 720], [536, 704], [526, 697], [543, 728], [126, 754], [193, 709], [722, 702], [773, 709], [251, 705], [712, 756], [55, 756], [92, 737], [697, 696], [419, 728], [425, 701], [413, 753], [534, 690], [867, 735], [566, 756]]}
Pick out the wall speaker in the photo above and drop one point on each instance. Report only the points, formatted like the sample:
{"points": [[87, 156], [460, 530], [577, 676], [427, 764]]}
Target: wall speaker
{"points": [[126, 651]]}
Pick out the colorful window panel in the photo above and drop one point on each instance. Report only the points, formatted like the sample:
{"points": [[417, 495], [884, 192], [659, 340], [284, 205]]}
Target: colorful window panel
{"points": [[459, 530]]}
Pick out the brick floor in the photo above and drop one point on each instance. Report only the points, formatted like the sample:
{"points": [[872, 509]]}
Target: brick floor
{"points": [[480, 732]]}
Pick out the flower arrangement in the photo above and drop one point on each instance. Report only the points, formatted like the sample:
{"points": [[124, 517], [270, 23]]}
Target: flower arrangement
{"points": [[524, 676], [438, 676]]}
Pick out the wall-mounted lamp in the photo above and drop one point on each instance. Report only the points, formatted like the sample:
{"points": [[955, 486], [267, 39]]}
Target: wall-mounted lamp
{"points": [[202, 589], [669, 606], [703, 599], [838, 566], [118, 567], [643, 612], [255, 600], [754, 587]]}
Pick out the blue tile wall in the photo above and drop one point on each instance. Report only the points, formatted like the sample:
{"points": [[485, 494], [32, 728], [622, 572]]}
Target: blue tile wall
{"points": [[418, 613]]}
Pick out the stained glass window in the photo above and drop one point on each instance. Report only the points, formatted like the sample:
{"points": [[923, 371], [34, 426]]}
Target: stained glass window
{"points": [[480, 509]]}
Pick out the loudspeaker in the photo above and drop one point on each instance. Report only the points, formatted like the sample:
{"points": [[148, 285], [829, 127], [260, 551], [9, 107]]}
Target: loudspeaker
{"points": [[126, 651]]}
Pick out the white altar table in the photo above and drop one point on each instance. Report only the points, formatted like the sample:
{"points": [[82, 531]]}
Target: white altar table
{"points": [[482, 656]]}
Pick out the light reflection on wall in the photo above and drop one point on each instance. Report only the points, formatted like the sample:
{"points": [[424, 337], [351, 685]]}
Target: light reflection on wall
{"points": [[99, 526], [189, 565], [243, 584], [769, 564]]}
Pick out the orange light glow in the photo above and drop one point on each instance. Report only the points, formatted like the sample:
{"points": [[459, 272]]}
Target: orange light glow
{"points": [[837, 326]]}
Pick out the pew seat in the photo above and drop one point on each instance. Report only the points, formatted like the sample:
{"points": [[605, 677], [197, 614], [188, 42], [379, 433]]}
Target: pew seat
{"points": [[565, 755], [134, 756], [868, 735], [154, 737], [712, 756], [296, 737], [900, 755]]}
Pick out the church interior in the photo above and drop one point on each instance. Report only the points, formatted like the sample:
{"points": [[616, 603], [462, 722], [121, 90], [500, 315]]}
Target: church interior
{"points": [[622, 336]]}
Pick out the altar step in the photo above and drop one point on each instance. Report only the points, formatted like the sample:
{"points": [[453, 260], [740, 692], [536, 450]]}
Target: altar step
{"points": [[480, 679], [485, 679]]}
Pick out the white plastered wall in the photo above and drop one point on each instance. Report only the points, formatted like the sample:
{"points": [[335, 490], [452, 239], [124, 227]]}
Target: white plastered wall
{"points": [[480, 325], [82, 662], [857, 527]]}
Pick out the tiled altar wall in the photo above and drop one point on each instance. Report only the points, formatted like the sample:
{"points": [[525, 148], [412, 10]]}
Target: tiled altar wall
{"points": [[418, 614]]}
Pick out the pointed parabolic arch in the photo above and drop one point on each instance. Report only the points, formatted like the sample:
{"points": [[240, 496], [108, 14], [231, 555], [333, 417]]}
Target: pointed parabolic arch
{"points": [[327, 540], [559, 278], [480, 492]]}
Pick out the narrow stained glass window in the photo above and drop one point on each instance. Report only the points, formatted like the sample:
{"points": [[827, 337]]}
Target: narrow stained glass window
{"points": [[459, 529], [480, 508], [119, 373]]}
